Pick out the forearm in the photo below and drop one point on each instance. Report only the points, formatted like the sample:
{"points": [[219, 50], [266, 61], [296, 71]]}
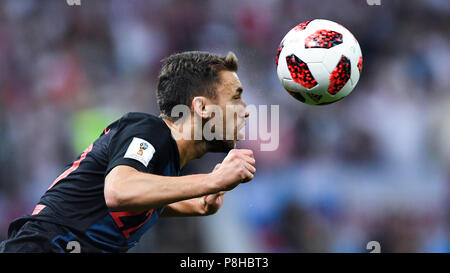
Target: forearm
{"points": [[135, 191]]}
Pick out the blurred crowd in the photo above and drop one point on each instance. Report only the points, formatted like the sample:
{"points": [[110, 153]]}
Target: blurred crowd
{"points": [[373, 167]]}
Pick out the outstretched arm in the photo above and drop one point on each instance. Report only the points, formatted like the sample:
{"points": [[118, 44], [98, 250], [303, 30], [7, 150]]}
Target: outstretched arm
{"points": [[127, 189]]}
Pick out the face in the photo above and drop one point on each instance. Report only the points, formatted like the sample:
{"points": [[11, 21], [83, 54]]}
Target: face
{"points": [[229, 100]]}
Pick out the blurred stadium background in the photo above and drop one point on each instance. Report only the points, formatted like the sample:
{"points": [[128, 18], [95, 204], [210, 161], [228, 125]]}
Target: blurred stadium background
{"points": [[374, 166]]}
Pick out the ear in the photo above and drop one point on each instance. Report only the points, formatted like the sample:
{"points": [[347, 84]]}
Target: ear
{"points": [[199, 107]]}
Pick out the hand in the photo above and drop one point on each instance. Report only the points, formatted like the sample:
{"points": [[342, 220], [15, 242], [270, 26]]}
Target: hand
{"points": [[237, 167], [211, 203]]}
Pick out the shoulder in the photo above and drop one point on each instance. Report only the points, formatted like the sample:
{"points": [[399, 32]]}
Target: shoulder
{"points": [[145, 126], [141, 119], [143, 138], [145, 123]]}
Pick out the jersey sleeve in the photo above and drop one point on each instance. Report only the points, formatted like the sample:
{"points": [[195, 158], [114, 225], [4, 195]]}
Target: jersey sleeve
{"points": [[135, 145]]}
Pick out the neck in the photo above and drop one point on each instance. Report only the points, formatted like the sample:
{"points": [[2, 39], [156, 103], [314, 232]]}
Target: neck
{"points": [[188, 148]]}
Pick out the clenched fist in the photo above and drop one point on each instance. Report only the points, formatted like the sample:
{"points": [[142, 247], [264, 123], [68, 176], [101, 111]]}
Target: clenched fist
{"points": [[237, 167]]}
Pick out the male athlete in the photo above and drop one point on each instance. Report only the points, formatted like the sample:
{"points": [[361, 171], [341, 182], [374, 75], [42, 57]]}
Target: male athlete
{"points": [[121, 184]]}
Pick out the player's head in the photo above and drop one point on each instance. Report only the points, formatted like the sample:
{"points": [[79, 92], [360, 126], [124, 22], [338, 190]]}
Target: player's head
{"points": [[204, 82]]}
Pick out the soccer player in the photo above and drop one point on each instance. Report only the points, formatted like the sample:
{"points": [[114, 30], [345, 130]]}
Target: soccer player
{"points": [[107, 198]]}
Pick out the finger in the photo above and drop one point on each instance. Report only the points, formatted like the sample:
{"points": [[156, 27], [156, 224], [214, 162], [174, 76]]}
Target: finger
{"points": [[220, 199], [247, 158], [250, 167], [248, 175], [213, 195], [246, 152], [212, 198], [209, 199]]}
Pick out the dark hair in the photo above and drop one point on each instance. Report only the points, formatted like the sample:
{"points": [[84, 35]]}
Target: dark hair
{"points": [[186, 75]]}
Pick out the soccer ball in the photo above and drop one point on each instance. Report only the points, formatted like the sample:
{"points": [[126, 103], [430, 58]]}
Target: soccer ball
{"points": [[319, 62]]}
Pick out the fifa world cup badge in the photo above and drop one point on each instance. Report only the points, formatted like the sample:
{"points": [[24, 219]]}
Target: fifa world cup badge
{"points": [[142, 148]]}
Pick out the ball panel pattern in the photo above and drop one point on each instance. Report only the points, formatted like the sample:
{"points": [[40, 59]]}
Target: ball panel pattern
{"points": [[300, 72], [340, 76], [280, 47], [302, 25], [314, 97], [297, 96], [323, 39], [360, 62]]}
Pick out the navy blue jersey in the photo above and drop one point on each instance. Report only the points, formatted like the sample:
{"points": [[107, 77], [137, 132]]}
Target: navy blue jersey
{"points": [[76, 199]]}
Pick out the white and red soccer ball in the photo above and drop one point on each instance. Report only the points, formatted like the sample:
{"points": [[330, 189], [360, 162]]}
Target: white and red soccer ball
{"points": [[319, 62]]}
